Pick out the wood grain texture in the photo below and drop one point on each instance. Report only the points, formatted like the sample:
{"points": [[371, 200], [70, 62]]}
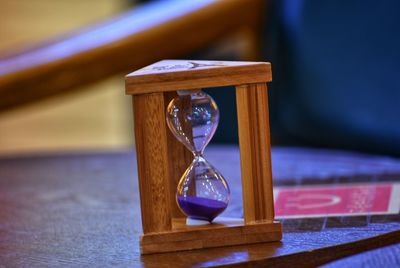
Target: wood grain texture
{"points": [[371, 258], [153, 165], [308, 259], [185, 237], [255, 152], [179, 159], [164, 29], [82, 210], [172, 75]]}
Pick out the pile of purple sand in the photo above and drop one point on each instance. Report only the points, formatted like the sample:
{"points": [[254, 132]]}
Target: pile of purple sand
{"points": [[201, 208]]}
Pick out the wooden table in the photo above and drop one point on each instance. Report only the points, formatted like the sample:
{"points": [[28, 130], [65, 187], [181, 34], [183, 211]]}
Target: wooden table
{"points": [[82, 210]]}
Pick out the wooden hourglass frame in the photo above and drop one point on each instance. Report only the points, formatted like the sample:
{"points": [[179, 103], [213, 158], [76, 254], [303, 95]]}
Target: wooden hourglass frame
{"points": [[162, 159]]}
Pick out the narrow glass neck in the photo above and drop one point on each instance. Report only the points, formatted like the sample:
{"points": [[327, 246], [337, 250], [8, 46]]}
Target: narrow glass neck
{"points": [[198, 154]]}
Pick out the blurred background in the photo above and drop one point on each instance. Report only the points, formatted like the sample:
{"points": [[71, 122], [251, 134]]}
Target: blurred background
{"points": [[335, 69], [96, 117]]}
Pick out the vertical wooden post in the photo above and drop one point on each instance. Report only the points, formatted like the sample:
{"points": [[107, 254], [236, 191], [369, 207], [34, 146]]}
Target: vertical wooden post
{"points": [[179, 159], [152, 156], [255, 152]]}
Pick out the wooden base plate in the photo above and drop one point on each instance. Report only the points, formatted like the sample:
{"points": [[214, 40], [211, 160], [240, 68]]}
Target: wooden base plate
{"points": [[222, 232]]}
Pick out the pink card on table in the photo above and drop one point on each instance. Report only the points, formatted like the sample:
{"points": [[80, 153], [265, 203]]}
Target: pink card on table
{"points": [[337, 200]]}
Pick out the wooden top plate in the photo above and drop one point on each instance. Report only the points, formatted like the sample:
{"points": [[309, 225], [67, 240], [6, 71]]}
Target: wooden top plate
{"points": [[172, 75]]}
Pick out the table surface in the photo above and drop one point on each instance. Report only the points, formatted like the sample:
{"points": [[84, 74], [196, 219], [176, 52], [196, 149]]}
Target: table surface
{"points": [[82, 209]]}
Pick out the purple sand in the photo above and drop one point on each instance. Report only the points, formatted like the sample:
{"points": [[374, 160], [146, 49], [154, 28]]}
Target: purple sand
{"points": [[201, 208]]}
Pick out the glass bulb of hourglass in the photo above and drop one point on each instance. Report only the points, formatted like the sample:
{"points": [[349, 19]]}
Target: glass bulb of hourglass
{"points": [[202, 191]]}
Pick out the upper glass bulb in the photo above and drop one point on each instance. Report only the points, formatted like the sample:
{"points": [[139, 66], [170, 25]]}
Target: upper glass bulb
{"points": [[193, 119]]}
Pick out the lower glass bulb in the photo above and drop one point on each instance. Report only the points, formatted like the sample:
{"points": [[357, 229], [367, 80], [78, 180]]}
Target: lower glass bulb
{"points": [[202, 192]]}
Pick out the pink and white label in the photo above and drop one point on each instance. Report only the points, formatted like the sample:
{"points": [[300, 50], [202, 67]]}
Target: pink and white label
{"points": [[337, 200]]}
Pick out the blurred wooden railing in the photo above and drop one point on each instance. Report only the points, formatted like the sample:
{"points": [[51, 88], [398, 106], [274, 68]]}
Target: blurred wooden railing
{"points": [[163, 29]]}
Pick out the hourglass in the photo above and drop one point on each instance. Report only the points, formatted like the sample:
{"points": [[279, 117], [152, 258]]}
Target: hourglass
{"points": [[167, 94], [202, 192]]}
